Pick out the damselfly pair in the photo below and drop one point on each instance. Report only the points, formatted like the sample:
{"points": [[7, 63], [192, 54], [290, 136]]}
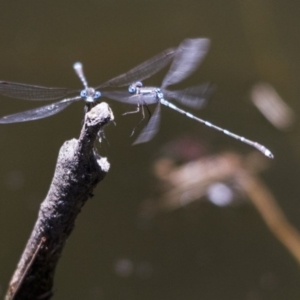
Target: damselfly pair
{"points": [[185, 59]]}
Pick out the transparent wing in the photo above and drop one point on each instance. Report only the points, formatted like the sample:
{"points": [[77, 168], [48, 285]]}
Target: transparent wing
{"points": [[121, 96], [126, 97], [194, 97], [189, 55], [151, 128], [38, 113], [142, 71], [32, 92]]}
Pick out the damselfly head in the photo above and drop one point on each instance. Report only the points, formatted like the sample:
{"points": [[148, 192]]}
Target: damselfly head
{"points": [[90, 95], [83, 94], [133, 88]]}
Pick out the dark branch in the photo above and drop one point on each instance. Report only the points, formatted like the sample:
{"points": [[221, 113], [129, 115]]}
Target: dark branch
{"points": [[78, 170]]}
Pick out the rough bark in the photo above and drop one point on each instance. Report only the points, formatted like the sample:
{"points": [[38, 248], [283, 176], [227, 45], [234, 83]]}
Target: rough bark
{"points": [[78, 170]]}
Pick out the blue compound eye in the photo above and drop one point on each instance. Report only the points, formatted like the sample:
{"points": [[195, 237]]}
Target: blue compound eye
{"points": [[83, 94], [132, 89], [97, 95]]}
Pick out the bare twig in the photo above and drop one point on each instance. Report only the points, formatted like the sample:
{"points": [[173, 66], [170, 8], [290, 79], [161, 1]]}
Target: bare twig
{"points": [[78, 170], [272, 214], [190, 182]]}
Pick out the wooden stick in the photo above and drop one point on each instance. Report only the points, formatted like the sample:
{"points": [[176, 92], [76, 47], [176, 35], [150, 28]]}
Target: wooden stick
{"points": [[78, 170]]}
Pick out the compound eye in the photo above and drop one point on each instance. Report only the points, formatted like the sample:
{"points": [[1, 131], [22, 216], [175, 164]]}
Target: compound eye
{"points": [[139, 84], [97, 95], [132, 89], [83, 94]]}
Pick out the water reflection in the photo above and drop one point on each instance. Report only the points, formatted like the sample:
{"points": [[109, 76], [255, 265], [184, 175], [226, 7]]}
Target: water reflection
{"points": [[220, 179], [272, 106]]}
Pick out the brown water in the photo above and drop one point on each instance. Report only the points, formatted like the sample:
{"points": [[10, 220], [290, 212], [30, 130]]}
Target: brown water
{"points": [[199, 251]]}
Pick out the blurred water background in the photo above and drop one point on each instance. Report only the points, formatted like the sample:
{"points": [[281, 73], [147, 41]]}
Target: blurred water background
{"points": [[221, 247]]}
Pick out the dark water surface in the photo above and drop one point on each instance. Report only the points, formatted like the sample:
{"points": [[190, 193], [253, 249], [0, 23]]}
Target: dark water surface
{"points": [[199, 251]]}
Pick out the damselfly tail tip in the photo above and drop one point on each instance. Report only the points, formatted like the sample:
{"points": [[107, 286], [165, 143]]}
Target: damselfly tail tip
{"points": [[77, 65], [268, 153], [264, 150], [79, 71]]}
